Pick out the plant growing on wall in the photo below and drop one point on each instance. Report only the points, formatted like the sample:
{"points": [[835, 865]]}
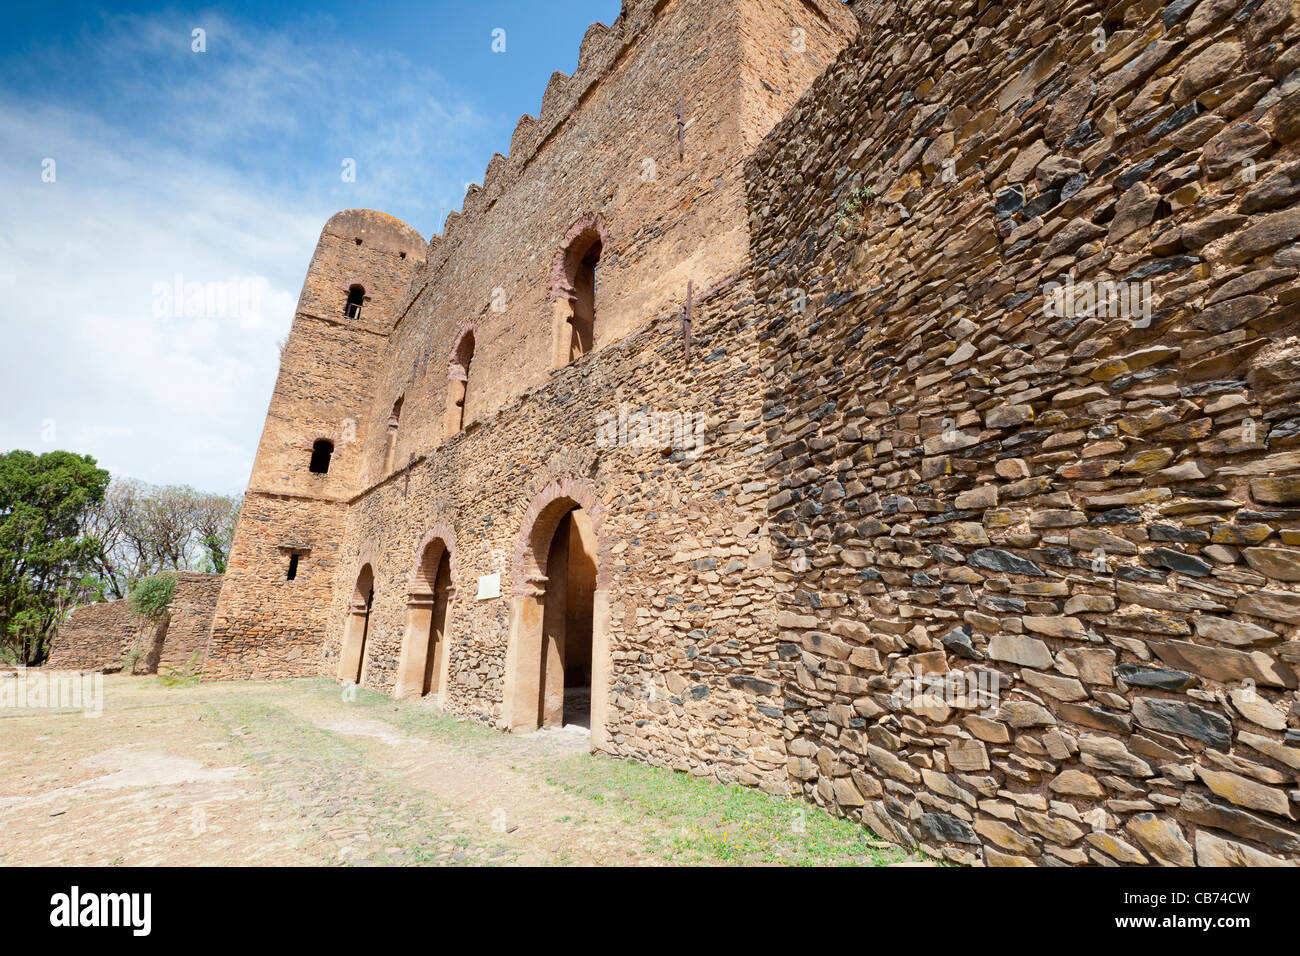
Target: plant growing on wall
{"points": [[130, 659], [186, 676], [853, 209], [153, 595]]}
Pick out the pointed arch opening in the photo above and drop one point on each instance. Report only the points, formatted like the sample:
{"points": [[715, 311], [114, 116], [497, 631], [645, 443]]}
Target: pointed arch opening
{"points": [[356, 628], [458, 379], [426, 658]]}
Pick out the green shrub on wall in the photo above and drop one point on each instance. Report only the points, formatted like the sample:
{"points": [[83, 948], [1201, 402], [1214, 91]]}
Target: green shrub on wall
{"points": [[153, 595]]}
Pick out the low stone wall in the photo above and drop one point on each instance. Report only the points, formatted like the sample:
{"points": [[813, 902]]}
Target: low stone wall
{"points": [[1037, 552], [189, 617], [104, 636], [101, 636]]}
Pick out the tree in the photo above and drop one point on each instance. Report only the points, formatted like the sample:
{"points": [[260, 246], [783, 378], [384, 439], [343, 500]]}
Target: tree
{"points": [[119, 562], [45, 552], [153, 595], [215, 518], [146, 529]]}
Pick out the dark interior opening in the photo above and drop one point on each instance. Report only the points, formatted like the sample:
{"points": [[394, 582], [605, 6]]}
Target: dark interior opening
{"points": [[321, 451], [356, 296]]}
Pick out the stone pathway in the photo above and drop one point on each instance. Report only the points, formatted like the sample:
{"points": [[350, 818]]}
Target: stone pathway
{"points": [[294, 774]]}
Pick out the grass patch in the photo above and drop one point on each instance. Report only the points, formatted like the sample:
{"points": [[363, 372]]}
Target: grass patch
{"points": [[705, 822]]}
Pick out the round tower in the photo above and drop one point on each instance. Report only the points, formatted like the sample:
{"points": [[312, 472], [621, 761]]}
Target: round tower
{"points": [[271, 616]]}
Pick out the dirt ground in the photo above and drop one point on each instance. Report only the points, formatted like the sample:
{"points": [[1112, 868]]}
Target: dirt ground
{"points": [[294, 773]]}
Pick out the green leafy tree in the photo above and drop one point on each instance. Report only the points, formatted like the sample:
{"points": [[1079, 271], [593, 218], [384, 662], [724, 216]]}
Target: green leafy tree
{"points": [[46, 556]]}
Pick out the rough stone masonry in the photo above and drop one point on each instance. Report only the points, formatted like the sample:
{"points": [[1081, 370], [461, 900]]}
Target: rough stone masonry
{"points": [[111, 636], [888, 403]]}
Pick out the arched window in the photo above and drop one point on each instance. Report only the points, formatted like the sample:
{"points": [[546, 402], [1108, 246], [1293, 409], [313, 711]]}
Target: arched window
{"points": [[575, 288], [394, 421], [356, 298], [584, 303], [321, 450], [462, 354]]}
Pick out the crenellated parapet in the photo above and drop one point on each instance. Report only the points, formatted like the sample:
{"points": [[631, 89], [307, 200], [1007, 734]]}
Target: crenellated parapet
{"points": [[601, 47]]}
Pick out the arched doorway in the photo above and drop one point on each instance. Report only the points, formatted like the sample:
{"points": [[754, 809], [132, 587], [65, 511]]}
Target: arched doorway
{"points": [[557, 662], [353, 653], [565, 667], [425, 657]]}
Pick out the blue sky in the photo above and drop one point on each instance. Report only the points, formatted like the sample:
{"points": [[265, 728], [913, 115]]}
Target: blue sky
{"points": [[131, 165]]}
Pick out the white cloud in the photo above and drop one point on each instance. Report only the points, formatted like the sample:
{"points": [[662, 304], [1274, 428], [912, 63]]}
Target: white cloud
{"points": [[220, 171]]}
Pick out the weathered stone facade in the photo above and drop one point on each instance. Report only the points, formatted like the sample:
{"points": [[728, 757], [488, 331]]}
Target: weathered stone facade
{"points": [[1102, 508], [877, 452], [110, 635], [481, 455], [189, 618]]}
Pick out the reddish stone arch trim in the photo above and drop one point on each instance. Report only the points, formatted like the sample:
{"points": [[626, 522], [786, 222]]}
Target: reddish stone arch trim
{"points": [[582, 235], [416, 672], [353, 645], [538, 527], [462, 351], [442, 531], [366, 557]]}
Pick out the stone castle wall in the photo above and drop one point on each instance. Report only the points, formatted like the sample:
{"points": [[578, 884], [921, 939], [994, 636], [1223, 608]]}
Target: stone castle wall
{"points": [[693, 660], [189, 618], [604, 150], [493, 269], [100, 636], [1102, 510], [106, 635], [266, 624], [995, 571]]}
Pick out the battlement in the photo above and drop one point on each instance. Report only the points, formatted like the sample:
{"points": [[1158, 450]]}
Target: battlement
{"points": [[601, 49]]}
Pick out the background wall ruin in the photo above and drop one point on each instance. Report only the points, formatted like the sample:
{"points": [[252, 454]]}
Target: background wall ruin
{"points": [[110, 635]]}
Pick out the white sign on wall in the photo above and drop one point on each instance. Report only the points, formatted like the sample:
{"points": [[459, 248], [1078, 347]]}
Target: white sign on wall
{"points": [[489, 586]]}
